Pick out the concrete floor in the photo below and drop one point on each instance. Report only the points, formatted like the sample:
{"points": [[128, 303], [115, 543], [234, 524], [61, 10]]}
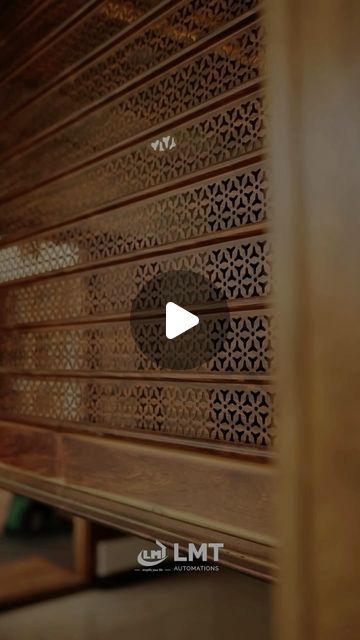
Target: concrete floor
{"points": [[221, 606]]}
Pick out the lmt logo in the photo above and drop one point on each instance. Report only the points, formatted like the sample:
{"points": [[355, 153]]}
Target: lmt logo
{"points": [[203, 552], [152, 557]]}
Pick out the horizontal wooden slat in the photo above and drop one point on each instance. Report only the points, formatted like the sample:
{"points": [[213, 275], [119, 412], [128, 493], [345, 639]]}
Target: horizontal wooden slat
{"points": [[29, 449], [237, 270], [247, 347], [240, 414], [191, 487]]}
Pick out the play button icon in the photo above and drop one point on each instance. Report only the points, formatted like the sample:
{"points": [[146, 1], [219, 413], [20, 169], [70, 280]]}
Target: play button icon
{"points": [[178, 320]]}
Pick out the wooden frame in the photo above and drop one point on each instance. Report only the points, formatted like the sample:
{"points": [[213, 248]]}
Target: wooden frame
{"points": [[314, 54]]}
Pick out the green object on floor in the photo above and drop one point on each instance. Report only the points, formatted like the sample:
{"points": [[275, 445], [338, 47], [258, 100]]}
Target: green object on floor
{"points": [[27, 517], [19, 507]]}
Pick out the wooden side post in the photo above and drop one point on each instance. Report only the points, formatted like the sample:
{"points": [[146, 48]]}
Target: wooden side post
{"points": [[314, 53]]}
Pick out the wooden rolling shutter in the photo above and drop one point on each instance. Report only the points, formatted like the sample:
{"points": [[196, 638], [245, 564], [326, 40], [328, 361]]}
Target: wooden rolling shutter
{"points": [[132, 142]]}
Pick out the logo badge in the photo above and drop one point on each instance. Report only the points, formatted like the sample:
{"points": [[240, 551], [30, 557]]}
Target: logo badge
{"points": [[191, 557], [152, 557]]}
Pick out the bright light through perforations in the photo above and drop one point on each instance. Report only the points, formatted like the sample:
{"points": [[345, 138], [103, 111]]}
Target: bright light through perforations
{"points": [[163, 144]]}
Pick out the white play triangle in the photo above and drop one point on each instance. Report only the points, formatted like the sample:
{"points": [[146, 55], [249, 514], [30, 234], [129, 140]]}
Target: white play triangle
{"points": [[178, 320]]}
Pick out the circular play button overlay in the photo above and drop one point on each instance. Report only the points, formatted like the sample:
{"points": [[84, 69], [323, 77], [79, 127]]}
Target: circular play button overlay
{"points": [[173, 323]]}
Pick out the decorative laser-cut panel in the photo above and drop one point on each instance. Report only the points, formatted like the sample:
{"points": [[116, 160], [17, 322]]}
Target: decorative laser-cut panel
{"points": [[230, 413], [219, 137], [239, 270], [107, 20], [247, 349], [145, 158], [227, 65], [229, 202], [168, 36]]}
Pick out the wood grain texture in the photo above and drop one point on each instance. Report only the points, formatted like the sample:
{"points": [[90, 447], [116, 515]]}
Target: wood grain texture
{"points": [[183, 485], [314, 94], [187, 486], [30, 449]]}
